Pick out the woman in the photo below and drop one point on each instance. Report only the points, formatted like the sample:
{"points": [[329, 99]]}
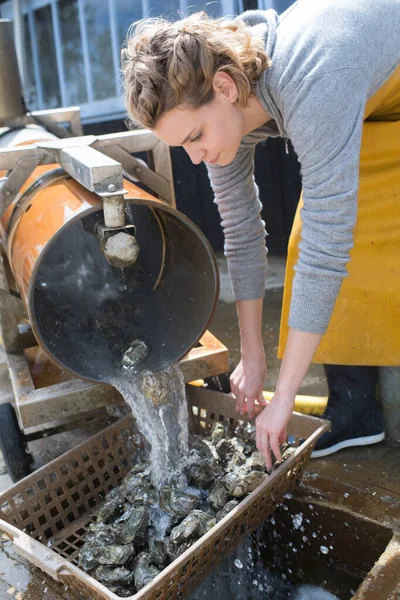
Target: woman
{"points": [[311, 75]]}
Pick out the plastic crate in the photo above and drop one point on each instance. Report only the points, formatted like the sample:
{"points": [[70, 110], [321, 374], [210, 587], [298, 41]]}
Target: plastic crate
{"points": [[47, 513]]}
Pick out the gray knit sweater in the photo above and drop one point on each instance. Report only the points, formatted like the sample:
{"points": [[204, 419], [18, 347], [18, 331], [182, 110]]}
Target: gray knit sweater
{"points": [[328, 57]]}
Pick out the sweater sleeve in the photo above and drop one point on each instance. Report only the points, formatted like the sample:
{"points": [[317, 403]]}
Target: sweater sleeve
{"points": [[237, 198], [324, 122]]}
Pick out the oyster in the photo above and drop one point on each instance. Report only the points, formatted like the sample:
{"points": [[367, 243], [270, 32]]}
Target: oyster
{"points": [[212, 450], [175, 550], [288, 451], [238, 458], [218, 432], [119, 575], [111, 508], [158, 551], [201, 473], [144, 571], [246, 431], [256, 461], [155, 386], [226, 510], [113, 554], [135, 354], [142, 494], [227, 447], [133, 527], [243, 481], [218, 496], [176, 502], [135, 480], [86, 557], [196, 524], [122, 592]]}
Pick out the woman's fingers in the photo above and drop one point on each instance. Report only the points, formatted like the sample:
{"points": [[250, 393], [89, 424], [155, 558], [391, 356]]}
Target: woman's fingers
{"points": [[261, 400], [274, 441], [263, 447], [250, 406]]}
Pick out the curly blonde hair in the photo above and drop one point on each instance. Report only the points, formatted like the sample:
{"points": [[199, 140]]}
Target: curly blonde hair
{"points": [[166, 64]]}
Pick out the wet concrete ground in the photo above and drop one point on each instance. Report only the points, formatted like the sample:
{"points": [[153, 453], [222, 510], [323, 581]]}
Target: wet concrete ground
{"points": [[362, 480]]}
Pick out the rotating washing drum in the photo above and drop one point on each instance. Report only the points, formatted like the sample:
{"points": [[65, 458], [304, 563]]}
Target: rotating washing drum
{"points": [[86, 313]]}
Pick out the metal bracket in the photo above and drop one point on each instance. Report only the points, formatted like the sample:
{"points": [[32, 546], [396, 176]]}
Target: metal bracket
{"points": [[140, 171], [90, 160], [53, 119], [12, 184]]}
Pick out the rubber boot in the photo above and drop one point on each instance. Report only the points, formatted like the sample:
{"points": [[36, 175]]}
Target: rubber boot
{"points": [[353, 409]]}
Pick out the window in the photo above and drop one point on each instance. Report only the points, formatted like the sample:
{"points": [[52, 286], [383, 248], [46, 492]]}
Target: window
{"points": [[73, 48]]}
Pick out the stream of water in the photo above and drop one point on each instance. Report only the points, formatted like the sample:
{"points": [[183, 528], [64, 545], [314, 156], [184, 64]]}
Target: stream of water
{"points": [[164, 425]]}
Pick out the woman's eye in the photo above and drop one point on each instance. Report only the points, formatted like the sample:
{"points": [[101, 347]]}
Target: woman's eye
{"points": [[196, 139]]}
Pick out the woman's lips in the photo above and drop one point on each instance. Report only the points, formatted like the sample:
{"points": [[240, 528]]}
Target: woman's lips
{"points": [[214, 160]]}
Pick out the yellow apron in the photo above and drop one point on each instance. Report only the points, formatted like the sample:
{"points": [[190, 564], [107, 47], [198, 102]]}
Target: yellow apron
{"points": [[365, 324]]}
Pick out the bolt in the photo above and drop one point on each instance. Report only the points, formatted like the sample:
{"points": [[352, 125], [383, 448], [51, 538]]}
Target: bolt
{"points": [[138, 170], [112, 188], [7, 192]]}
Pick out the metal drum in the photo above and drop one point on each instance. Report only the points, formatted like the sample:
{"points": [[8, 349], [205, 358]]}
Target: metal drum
{"points": [[86, 313]]}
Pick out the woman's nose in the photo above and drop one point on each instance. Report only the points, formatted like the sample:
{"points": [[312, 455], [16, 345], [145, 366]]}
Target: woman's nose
{"points": [[196, 155]]}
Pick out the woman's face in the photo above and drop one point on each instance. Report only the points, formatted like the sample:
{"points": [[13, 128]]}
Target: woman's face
{"points": [[211, 133]]}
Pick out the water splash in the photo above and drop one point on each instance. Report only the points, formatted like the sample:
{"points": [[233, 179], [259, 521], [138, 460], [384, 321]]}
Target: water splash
{"points": [[164, 426]]}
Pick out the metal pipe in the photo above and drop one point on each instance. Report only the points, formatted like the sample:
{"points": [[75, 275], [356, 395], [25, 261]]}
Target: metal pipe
{"points": [[18, 20], [12, 104]]}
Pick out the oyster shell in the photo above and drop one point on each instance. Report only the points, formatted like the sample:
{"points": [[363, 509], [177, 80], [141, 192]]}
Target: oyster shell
{"points": [[144, 571], [113, 554], [142, 494], [111, 508], [256, 461], [243, 481], [133, 527], [218, 496], [176, 502], [122, 592], [226, 510], [201, 473], [158, 551], [218, 432], [238, 458], [155, 386], [119, 575], [87, 559], [246, 431], [288, 451], [135, 354], [212, 450], [196, 524], [175, 550], [227, 447]]}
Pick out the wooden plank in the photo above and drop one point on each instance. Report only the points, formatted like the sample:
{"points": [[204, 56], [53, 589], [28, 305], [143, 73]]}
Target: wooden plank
{"points": [[68, 399], [64, 399]]}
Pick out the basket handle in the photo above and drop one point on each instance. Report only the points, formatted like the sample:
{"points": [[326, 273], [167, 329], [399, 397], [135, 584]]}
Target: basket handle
{"points": [[44, 558]]}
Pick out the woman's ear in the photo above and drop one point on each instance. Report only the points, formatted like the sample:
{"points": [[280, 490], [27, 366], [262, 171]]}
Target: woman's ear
{"points": [[224, 84]]}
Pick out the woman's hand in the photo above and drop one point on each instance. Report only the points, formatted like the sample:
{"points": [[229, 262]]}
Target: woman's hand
{"points": [[247, 382], [271, 426]]}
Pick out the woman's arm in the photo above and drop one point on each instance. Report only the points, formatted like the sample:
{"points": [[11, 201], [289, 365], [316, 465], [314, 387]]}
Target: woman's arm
{"points": [[272, 422], [247, 380]]}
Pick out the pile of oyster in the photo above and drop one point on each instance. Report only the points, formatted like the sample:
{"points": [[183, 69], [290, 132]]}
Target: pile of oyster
{"points": [[138, 530]]}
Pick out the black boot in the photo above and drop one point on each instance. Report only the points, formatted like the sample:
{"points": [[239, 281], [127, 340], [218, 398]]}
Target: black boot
{"points": [[353, 410]]}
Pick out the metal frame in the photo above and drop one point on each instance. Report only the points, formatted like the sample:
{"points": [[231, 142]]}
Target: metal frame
{"points": [[98, 163]]}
